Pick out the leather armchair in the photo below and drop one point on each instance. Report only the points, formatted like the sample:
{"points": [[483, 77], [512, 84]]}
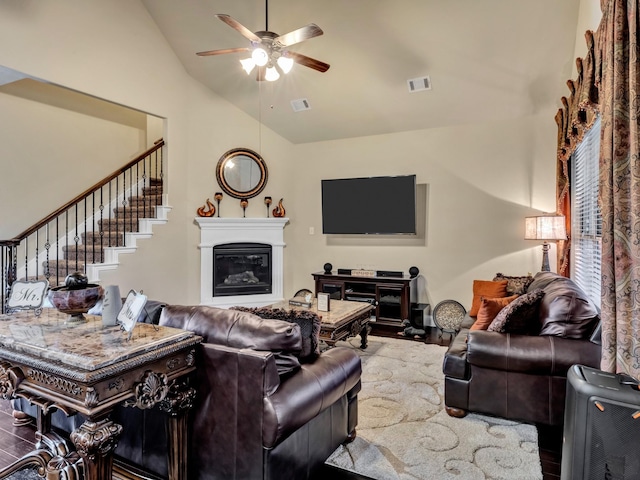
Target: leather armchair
{"points": [[252, 422], [523, 377]]}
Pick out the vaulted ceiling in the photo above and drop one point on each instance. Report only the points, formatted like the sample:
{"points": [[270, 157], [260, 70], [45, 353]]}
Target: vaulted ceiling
{"points": [[489, 60]]}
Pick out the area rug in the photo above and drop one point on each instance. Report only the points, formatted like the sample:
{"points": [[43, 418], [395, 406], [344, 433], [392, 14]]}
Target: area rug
{"points": [[404, 433]]}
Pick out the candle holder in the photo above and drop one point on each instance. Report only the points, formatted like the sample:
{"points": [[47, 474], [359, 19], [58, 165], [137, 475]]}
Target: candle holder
{"points": [[267, 202], [243, 203], [218, 197]]}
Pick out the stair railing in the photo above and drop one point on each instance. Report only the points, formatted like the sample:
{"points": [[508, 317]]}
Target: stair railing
{"points": [[52, 248]]}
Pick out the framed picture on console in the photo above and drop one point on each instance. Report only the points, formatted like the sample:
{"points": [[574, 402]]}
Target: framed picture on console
{"points": [[323, 302], [131, 309], [27, 295]]}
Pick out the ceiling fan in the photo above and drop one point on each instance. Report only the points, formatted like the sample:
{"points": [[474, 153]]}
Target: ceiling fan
{"points": [[268, 49]]}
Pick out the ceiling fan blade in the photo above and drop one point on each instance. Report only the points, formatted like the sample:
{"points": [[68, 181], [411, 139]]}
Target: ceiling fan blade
{"points": [[299, 35], [223, 51], [309, 62], [244, 31], [260, 73]]}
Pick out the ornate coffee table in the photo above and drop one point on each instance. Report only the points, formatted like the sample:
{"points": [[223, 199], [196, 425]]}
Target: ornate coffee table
{"points": [[87, 368], [344, 319]]}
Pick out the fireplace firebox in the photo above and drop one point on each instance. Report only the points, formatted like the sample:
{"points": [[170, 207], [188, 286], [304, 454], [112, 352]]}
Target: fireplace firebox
{"points": [[241, 269]]}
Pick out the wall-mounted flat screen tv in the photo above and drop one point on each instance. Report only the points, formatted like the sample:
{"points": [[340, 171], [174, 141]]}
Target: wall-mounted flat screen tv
{"points": [[371, 205]]}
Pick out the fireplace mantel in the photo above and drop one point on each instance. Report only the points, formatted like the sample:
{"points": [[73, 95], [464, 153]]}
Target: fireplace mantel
{"points": [[215, 231]]}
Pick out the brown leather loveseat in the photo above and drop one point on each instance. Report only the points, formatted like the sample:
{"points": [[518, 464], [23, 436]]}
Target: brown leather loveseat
{"points": [[523, 377], [268, 404]]}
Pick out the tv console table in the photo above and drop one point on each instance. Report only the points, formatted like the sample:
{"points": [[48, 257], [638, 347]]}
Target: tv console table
{"points": [[391, 296]]}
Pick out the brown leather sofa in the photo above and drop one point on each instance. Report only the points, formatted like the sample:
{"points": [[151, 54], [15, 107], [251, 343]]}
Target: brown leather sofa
{"points": [[523, 377], [265, 409]]}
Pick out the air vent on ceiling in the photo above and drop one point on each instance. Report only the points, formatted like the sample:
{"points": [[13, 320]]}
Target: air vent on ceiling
{"points": [[419, 84], [300, 105]]}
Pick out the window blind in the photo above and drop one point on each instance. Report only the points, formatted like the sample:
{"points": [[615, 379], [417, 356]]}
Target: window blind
{"points": [[586, 223]]}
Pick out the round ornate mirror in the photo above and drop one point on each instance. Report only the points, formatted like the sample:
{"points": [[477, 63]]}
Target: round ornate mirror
{"points": [[242, 173]]}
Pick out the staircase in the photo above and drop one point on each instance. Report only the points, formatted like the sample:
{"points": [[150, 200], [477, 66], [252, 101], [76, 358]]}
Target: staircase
{"points": [[98, 250], [88, 233]]}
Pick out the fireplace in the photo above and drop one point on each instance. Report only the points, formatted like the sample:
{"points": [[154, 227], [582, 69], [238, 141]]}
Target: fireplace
{"points": [[241, 269], [220, 234]]}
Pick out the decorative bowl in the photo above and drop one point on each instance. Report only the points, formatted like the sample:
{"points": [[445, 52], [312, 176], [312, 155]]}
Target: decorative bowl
{"points": [[75, 301]]}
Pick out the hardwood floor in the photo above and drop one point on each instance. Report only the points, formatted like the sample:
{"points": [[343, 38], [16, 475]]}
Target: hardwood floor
{"points": [[17, 441], [14, 441]]}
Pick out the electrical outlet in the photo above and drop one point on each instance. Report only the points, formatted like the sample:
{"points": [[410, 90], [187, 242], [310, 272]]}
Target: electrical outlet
{"points": [[312, 231]]}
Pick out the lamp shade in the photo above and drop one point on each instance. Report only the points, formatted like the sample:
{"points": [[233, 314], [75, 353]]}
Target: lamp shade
{"points": [[545, 227]]}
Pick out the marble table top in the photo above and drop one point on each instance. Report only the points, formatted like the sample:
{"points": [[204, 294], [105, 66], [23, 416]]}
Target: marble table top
{"points": [[339, 310], [86, 345]]}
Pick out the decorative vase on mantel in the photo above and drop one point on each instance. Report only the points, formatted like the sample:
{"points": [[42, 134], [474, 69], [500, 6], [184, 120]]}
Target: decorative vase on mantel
{"points": [[279, 211]]}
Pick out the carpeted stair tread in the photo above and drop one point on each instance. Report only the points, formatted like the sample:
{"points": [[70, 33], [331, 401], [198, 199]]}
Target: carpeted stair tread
{"points": [[62, 265], [119, 224], [152, 190], [87, 254], [57, 276], [148, 200], [104, 238], [138, 211]]}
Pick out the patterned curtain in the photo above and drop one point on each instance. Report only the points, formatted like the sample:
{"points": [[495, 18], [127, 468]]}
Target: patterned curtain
{"points": [[574, 119], [617, 38]]}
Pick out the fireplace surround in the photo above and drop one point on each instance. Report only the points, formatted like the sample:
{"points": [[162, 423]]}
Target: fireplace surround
{"points": [[216, 233]]}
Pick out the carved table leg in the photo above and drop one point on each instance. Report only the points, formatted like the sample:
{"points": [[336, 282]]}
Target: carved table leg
{"points": [[95, 442], [177, 403]]}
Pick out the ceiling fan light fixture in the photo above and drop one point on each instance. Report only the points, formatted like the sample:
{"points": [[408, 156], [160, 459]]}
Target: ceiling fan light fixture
{"points": [[271, 75], [260, 56], [248, 65], [285, 63]]}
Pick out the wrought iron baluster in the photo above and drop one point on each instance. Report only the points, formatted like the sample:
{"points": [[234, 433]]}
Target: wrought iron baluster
{"points": [[159, 152], [144, 188], [126, 202], [26, 256], [85, 233], [37, 254], [115, 218], [93, 228], [66, 236], [76, 240], [47, 247], [57, 250], [101, 222]]}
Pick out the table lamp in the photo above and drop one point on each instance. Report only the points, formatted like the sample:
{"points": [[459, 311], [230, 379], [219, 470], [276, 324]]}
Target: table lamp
{"points": [[545, 228]]}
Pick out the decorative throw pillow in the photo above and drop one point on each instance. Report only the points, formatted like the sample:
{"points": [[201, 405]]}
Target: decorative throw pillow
{"points": [[488, 289], [520, 316], [489, 308], [308, 321], [515, 285]]}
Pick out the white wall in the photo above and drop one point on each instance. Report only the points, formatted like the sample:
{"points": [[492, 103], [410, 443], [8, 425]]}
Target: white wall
{"points": [[482, 179], [50, 154]]}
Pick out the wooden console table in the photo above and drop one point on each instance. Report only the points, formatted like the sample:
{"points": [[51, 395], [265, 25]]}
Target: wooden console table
{"points": [[86, 368], [343, 320]]}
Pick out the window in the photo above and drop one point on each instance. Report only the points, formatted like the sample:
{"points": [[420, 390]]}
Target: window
{"points": [[586, 220]]}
